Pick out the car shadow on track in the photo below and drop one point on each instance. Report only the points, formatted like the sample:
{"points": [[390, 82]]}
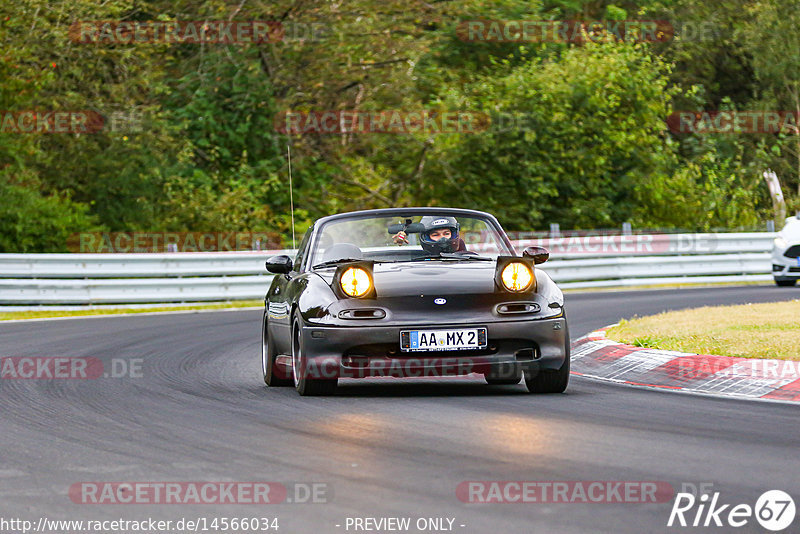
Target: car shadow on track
{"points": [[422, 388], [425, 389]]}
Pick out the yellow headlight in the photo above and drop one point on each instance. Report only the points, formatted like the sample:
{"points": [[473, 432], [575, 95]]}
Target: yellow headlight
{"points": [[355, 282], [516, 276]]}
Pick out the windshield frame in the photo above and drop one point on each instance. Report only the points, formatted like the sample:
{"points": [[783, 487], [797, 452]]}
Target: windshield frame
{"points": [[320, 224]]}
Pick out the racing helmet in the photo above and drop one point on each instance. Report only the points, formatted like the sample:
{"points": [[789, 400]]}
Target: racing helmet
{"points": [[432, 222]]}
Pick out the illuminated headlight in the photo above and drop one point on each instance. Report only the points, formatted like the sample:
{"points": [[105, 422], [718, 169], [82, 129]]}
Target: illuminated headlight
{"points": [[355, 282], [780, 242], [516, 277]]}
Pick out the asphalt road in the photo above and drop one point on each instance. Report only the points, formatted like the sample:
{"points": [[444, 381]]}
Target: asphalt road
{"points": [[385, 448]]}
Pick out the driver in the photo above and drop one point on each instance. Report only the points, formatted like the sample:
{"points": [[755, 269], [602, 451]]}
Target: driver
{"points": [[439, 234]]}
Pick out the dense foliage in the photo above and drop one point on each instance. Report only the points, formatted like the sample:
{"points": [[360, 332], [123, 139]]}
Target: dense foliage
{"points": [[578, 133]]}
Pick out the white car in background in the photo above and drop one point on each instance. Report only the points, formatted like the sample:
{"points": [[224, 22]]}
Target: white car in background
{"points": [[786, 253]]}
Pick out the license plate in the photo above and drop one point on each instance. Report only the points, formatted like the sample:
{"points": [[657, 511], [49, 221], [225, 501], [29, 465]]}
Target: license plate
{"points": [[450, 339]]}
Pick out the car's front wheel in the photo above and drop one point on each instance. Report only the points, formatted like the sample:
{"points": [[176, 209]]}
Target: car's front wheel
{"points": [[548, 381], [551, 381], [306, 380], [273, 375], [785, 282]]}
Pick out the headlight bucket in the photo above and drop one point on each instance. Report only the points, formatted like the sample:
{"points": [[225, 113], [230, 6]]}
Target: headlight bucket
{"points": [[515, 274], [354, 280]]}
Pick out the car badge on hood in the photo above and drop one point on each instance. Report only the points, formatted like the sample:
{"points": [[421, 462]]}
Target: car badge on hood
{"points": [[439, 301]]}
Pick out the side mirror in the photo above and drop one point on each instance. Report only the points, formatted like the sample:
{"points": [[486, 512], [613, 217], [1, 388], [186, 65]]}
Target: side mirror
{"points": [[279, 264], [537, 254]]}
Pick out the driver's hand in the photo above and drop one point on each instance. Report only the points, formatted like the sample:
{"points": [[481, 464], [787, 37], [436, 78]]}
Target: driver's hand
{"points": [[400, 238]]}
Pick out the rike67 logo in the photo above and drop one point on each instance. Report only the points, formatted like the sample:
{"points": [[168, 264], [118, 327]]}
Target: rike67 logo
{"points": [[774, 510]]}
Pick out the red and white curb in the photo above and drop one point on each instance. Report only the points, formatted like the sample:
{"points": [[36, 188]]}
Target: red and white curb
{"points": [[595, 356]]}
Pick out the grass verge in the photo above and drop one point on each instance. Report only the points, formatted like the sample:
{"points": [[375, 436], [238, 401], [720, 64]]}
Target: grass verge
{"points": [[43, 314], [768, 330]]}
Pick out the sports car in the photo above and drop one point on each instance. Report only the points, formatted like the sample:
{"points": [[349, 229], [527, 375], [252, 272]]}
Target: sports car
{"points": [[786, 253], [412, 292]]}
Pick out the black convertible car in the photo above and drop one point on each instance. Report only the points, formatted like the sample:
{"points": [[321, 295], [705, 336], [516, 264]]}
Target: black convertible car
{"points": [[412, 292]]}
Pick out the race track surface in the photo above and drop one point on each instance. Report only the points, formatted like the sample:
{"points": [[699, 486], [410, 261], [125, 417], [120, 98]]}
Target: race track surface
{"points": [[385, 448]]}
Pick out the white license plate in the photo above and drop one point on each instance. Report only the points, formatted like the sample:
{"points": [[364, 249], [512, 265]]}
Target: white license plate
{"points": [[455, 339]]}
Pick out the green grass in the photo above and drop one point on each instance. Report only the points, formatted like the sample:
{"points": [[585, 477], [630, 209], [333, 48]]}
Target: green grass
{"points": [[42, 314], [768, 330]]}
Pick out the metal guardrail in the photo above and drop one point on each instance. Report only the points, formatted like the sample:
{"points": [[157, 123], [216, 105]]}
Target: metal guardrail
{"points": [[135, 265], [576, 262]]}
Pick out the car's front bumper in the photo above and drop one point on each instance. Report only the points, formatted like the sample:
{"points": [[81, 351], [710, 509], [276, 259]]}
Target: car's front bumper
{"points": [[364, 351]]}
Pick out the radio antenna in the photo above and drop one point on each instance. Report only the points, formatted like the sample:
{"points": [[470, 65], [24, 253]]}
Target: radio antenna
{"points": [[291, 197]]}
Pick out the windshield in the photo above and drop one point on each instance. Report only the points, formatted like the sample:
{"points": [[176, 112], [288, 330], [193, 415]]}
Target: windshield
{"points": [[407, 239]]}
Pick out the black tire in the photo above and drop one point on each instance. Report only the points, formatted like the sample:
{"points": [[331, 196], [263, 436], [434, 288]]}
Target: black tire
{"points": [[272, 375], [785, 283], [304, 383], [551, 381]]}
